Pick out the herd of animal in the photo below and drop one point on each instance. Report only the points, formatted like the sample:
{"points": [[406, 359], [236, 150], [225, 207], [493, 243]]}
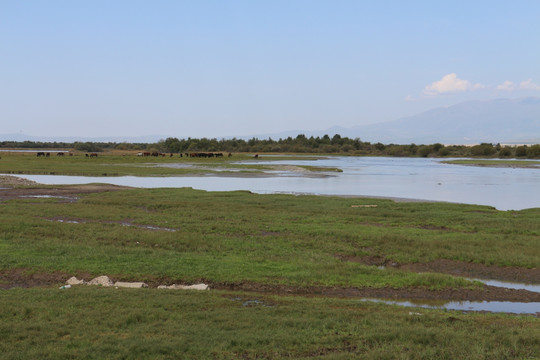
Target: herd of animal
{"points": [[47, 154], [155, 153]]}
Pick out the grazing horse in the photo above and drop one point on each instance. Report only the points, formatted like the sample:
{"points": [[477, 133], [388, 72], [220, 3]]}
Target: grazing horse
{"points": [[47, 154], [256, 156], [60, 154], [93, 155], [40, 153]]}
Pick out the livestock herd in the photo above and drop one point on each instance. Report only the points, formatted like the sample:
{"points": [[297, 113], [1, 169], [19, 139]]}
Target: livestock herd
{"points": [[144, 154]]}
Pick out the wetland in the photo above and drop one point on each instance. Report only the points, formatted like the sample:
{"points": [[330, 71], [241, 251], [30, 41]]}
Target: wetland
{"points": [[302, 264]]}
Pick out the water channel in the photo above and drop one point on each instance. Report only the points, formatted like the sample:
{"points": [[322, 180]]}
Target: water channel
{"points": [[407, 178]]}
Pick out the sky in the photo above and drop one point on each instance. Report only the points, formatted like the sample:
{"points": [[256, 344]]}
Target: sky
{"points": [[238, 68]]}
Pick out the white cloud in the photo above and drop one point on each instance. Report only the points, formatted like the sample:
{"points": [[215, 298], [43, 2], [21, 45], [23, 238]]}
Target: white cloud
{"points": [[529, 85], [448, 84], [506, 86], [409, 98], [524, 85]]}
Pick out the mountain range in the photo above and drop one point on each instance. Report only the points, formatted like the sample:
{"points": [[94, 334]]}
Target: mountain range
{"points": [[505, 121]]}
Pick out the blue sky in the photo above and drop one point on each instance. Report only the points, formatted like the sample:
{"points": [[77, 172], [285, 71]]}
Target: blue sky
{"points": [[235, 68]]}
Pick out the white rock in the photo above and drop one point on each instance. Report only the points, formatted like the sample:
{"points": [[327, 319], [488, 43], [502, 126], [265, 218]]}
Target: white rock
{"points": [[135, 285], [74, 281], [185, 287], [101, 280], [195, 287]]}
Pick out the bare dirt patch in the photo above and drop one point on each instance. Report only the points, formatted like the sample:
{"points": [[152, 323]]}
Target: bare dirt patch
{"points": [[12, 187], [24, 278], [486, 293]]}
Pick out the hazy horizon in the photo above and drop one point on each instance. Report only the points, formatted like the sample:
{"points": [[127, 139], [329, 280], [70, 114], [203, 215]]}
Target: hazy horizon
{"points": [[238, 68]]}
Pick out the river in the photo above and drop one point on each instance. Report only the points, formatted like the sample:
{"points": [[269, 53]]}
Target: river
{"points": [[406, 178]]}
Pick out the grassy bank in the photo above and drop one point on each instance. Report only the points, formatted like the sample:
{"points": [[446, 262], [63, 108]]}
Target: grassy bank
{"points": [[115, 164], [497, 163], [129, 164], [107, 323], [232, 237], [186, 236]]}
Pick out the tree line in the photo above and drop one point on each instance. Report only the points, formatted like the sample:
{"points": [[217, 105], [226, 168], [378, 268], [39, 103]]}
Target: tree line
{"points": [[299, 144]]}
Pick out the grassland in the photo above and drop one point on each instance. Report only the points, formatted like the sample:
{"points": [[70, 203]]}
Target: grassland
{"points": [[241, 240], [107, 323], [497, 163], [128, 164]]}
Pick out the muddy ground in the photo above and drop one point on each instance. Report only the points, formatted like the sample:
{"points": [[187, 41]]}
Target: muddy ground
{"points": [[12, 187]]}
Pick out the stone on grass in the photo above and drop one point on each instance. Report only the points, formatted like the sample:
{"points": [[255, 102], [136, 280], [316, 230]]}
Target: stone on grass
{"points": [[102, 281], [74, 281], [185, 287], [134, 285]]}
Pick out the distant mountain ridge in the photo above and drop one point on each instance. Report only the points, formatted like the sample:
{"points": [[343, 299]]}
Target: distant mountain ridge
{"points": [[71, 139], [505, 121]]}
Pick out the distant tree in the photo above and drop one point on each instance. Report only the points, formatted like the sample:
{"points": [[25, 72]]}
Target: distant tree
{"points": [[533, 151], [172, 145], [521, 151], [87, 146], [483, 149], [425, 150], [505, 152], [437, 147]]}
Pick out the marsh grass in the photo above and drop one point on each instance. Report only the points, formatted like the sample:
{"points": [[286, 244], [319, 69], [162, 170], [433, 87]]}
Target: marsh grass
{"points": [[232, 237], [108, 323], [113, 164], [496, 163]]}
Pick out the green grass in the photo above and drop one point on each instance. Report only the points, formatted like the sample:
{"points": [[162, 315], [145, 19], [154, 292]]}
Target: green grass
{"points": [[132, 165], [107, 323], [497, 163], [236, 237], [232, 237]]}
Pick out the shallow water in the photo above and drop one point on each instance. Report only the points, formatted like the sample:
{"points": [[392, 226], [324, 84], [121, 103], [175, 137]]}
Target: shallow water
{"points": [[511, 285], [408, 178], [491, 306]]}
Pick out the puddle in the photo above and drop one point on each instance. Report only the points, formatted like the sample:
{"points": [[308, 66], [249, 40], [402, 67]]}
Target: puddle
{"points": [[252, 302], [49, 197], [147, 227], [175, 166], [490, 306], [510, 285], [68, 221]]}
